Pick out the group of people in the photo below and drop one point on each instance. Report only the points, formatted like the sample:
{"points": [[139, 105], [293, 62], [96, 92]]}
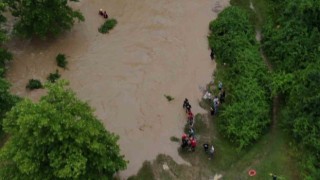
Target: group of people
{"points": [[103, 14], [189, 141], [217, 100]]}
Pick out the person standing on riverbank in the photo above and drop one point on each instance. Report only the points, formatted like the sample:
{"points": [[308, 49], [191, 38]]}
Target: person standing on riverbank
{"points": [[212, 54], [222, 95]]}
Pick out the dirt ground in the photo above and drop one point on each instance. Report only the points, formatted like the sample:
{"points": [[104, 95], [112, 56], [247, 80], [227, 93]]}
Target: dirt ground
{"points": [[157, 48]]}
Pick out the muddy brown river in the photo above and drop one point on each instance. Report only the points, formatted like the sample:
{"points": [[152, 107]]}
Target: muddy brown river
{"points": [[158, 47]]}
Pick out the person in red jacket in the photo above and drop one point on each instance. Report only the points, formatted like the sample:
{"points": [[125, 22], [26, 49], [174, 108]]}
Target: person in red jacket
{"points": [[193, 144]]}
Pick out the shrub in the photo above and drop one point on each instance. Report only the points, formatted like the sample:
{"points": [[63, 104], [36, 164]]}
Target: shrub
{"points": [[107, 26], [34, 84], [62, 61], [245, 115], [53, 77]]}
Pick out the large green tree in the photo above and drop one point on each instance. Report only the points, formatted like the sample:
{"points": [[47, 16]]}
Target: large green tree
{"points": [[58, 138], [43, 18]]}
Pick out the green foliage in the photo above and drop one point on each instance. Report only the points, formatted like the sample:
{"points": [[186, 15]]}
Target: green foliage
{"points": [[5, 56], [34, 84], [245, 116], [169, 98], [53, 77], [291, 41], [43, 18], [58, 138], [62, 60], [108, 25], [7, 100]]}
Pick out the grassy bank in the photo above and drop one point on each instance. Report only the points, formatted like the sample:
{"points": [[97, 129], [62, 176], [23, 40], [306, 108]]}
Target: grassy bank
{"points": [[271, 154]]}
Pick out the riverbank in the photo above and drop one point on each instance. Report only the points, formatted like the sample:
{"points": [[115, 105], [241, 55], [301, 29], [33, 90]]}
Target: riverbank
{"points": [[272, 153]]}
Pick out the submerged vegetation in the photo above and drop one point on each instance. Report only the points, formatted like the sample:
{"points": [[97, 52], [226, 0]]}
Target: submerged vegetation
{"points": [[61, 60], [34, 84], [168, 97], [107, 26], [53, 77]]}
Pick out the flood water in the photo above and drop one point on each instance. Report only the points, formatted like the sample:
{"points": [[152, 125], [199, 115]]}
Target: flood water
{"points": [[158, 47]]}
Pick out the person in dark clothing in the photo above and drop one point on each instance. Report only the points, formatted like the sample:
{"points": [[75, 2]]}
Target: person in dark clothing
{"points": [[185, 103], [222, 95], [211, 111], [206, 147], [191, 133], [274, 177], [105, 15], [212, 54]]}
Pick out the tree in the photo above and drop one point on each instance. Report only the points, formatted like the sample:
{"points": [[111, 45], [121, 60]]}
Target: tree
{"points": [[4, 54], [7, 100], [43, 18], [58, 138]]}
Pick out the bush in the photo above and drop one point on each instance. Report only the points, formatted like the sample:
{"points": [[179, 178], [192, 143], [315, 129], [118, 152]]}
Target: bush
{"points": [[34, 84], [62, 61], [245, 115], [107, 26], [53, 77]]}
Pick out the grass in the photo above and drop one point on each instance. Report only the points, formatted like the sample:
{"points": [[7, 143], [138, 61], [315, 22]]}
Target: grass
{"points": [[145, 172], [107, 26]]}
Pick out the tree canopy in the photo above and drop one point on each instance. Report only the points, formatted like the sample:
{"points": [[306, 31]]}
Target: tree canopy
{"points": [[43, 18], [58, 138]]}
